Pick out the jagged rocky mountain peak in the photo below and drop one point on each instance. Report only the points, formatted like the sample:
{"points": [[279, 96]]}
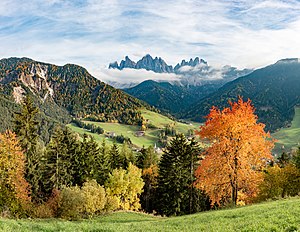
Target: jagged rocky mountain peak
{"points": [[156, 64]]}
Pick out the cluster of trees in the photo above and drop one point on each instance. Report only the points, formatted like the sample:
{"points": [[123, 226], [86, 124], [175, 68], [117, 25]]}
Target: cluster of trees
{"points": [[91, 127], [123, 139], [73, 177], [168, 131], [281, 178]]}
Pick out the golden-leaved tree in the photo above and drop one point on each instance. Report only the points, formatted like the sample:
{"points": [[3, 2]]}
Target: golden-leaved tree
{"points": [[239, 149], [125, 186], [14, 189]]}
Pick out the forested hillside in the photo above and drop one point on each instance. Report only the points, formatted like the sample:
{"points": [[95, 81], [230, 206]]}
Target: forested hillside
{"points": [[62, 92], [171, 98], [274, 91]]}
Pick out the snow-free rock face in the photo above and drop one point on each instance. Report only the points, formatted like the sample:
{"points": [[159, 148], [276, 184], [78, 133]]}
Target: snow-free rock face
{"points": [[191, 63], [37, 80], [194, 72], [157, 65]]}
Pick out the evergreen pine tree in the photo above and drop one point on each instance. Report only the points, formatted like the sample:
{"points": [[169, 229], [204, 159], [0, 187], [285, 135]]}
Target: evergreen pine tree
{"points": [[84, 160], [61, 159], [126, 155], [26, 129], [115, 160], [175, 192], [147, 160], [102, 164]]}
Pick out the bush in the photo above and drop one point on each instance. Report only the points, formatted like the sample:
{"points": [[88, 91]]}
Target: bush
{"points": [[48, 209], [280, 182], [72, 203], [112, 203], [89, 200], [94, 197]]}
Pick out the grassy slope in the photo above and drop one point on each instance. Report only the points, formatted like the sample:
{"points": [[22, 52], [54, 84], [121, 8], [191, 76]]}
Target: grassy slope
{"points": [[289, 137], [280, 215], [151, 135]]}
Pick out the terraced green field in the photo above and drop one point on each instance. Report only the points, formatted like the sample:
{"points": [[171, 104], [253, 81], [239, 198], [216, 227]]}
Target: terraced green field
{"points": [[151, 135], [288, 138], [281, 215]]}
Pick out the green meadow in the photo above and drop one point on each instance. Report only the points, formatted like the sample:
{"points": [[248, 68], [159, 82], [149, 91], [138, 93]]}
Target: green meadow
{"points": [[281, 215], [151, 135], [288, 138]]}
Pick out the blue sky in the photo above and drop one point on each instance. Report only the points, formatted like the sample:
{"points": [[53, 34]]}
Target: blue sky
{"points": [[93, 33]]}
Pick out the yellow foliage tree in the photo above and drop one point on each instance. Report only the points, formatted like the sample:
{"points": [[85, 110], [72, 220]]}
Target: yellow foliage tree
{"points": [[14, 189], [280, 182], [126, 185], [239, 150]]}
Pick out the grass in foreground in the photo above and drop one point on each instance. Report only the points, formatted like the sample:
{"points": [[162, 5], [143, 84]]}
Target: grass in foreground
{"points": [[289, 137], [282, 215]]}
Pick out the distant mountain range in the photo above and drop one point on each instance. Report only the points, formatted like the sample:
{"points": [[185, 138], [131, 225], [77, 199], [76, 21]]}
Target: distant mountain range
{"points": [[63, 92], [195, 72], [156, 64], [274, 91]]}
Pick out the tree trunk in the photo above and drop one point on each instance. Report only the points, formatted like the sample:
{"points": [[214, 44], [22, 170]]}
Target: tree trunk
{"points": [[234, 182]]}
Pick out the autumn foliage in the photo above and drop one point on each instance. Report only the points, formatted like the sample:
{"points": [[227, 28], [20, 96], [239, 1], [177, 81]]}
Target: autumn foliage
{"points": [[14, 189], [240, 148]]}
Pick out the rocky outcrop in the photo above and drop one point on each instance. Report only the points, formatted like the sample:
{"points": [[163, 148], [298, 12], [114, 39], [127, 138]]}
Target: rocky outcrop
{"points": [[147, 62]]}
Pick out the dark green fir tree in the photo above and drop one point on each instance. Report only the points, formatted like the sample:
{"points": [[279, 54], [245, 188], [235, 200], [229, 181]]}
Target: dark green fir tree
{"points": [[26, 129], [175, 192]]}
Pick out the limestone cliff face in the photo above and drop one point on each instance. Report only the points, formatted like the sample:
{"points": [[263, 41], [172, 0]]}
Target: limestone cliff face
{"points": [[38, 81]]}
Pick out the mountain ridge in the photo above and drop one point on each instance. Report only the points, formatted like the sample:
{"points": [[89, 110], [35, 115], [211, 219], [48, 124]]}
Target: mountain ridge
{"points": [[62, 92], [194, 72], [274, 91], [156, 64]]}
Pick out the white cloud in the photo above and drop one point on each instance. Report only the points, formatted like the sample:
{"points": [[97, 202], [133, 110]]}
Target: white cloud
{"points": [[133, 75], [93, 33]]}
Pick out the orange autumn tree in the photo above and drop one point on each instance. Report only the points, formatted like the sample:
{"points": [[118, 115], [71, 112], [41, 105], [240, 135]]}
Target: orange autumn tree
{"points": [[14, 189], [239, 150]]}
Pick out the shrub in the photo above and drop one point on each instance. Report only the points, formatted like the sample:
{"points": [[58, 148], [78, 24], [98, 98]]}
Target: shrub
{"points": [[280, 182], [72, 203], [94, 197], [112, 203], [48, 209], [88, 200]]}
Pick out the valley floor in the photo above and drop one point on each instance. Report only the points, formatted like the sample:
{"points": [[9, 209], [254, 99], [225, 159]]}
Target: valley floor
{"points": [[288, 138], [281, 215]]}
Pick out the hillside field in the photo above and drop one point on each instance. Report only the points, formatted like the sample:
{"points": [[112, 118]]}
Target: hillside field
{"points": [[288, 138], [281, 215], [151, 135]]}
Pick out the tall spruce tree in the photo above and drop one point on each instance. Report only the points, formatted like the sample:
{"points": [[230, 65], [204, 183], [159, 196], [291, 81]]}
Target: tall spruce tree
{"points": [[115, 160], [126, 155], [26, 129], [175, 191], [147, 160], [102, 164], [61, 159], [84, 160]]}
